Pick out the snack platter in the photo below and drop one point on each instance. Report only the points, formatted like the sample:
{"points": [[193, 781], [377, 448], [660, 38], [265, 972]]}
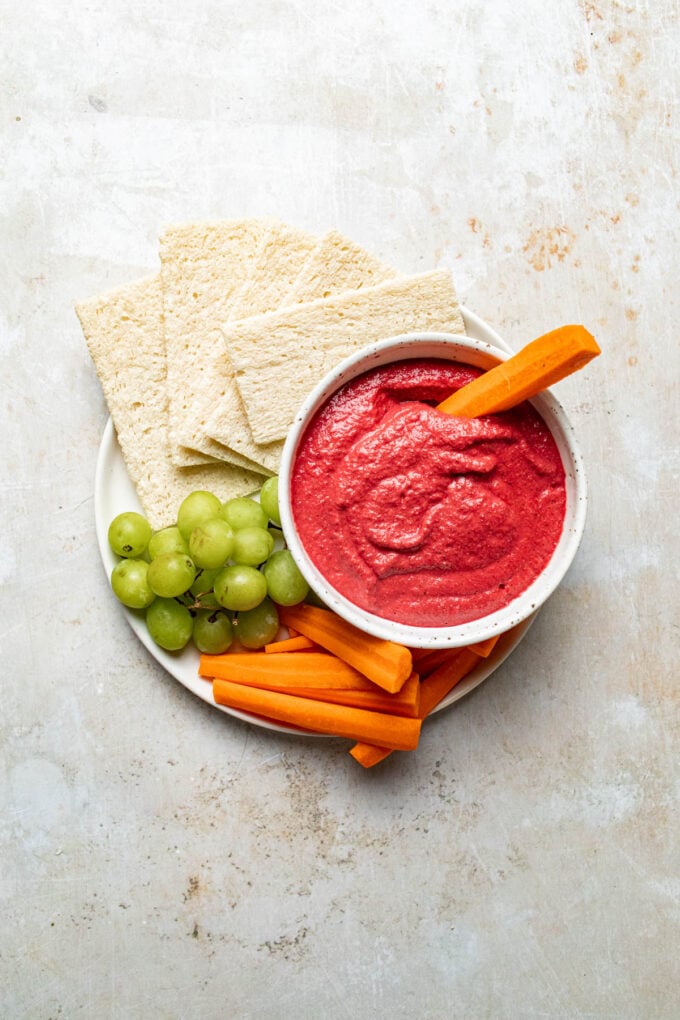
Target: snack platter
{"points": [[115, 493]]}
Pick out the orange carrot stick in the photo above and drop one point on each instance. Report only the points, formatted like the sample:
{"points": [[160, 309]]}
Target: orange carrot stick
{"points": [[441, 682], [404, 702], [484, 648], [428, 659], [369, 755], [291, 644], [384, 662], [284, 670], [540, 364], [433, 690], [381, 728], [434, 657]]}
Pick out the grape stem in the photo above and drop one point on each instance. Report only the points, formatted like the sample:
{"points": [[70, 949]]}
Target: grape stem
{"points": [[193, 604]]}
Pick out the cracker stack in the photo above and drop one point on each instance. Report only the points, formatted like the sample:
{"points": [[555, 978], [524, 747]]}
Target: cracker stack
{"points": [[205, 364]]}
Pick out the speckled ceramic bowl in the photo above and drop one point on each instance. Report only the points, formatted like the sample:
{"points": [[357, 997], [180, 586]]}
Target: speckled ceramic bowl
{"points": [[484, 355]]}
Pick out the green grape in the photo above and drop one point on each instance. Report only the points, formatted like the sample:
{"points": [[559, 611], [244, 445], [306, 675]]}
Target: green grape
{"points": [[170, 624], [285, 583], [195, 508], [202, 588], [212, 632], [257, 627], [129, 534], [211, 543], [269, 499], [243, 512], [240, 587], [171, 574], [130, 583], [167, 540], [252, 546]]}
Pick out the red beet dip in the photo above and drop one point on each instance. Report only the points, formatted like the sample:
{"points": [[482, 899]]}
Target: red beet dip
{"points": [[422, 517]]}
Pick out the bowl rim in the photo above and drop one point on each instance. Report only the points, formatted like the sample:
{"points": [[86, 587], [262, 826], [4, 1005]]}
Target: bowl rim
{"points": [[525, 604]]}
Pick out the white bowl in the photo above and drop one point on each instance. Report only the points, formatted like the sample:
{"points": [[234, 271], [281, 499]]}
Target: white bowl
{"points": [[483, 355]]}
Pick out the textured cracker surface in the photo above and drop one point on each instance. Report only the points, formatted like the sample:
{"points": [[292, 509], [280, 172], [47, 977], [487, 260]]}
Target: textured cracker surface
{"points": [[336, 264], [277, 265], [203, 266], [283, 253], [121, 332], [280, 357], [333, 265]]}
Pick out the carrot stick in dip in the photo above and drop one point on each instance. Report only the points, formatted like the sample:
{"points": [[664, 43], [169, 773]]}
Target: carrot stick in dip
{"points": [[540, 364]]}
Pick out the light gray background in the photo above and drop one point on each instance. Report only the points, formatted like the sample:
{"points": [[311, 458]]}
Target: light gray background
{"points": [[163, 860]]}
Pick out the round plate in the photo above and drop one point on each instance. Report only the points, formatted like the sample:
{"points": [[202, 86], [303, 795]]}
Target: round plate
{"points": [[114, 493]]}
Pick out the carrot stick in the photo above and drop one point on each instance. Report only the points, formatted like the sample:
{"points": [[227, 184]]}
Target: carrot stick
{"points": [[541, 363], [435, 657], [284, 670], [369, 755], [293, 644], [433, 690], [404, 702], [384, 662], [484, 648], [379, 728], [437, 685]]}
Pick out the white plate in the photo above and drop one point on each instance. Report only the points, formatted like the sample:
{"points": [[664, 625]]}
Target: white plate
{"points": [[114, 494]]}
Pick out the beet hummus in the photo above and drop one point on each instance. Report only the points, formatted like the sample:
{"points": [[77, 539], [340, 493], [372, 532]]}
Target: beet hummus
{"points": [[418, 516]]}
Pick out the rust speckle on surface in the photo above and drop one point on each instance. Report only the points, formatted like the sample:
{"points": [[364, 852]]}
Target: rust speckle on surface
{"points": [[591, 11], [580, 64], [193, 888], [474, 225], [631, 314], [632, 360], [547, 245]]}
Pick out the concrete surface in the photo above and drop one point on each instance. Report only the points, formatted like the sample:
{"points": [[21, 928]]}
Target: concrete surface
{"points": [[162, 860]]}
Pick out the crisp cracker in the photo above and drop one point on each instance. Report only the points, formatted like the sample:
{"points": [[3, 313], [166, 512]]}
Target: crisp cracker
{"points": [[279, 357], [121, 330], [334, 265], [203, 266], [282, 254]]}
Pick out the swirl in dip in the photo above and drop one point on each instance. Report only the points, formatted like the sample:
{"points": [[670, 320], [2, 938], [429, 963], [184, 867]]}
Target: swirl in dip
{"points": [[418, 516]]}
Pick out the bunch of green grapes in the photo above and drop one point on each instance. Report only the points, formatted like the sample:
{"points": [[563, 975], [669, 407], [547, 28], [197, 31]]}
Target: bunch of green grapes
{"points": [[216, 573]]}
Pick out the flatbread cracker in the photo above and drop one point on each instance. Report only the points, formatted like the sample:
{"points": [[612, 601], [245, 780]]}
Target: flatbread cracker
{"points": [[121, 330], [282, 254], [279, 261], [278, 358], [203, 266], [334, 265]]}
